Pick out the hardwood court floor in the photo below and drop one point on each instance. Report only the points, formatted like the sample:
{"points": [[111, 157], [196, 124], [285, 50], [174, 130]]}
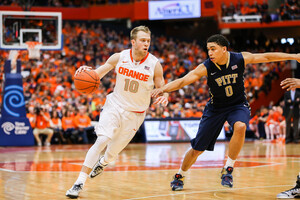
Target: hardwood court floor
{"points": [[144, 171]]}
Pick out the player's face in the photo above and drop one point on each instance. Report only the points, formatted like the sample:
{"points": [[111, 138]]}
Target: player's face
{"points": [[216, 52], [141, 43]]}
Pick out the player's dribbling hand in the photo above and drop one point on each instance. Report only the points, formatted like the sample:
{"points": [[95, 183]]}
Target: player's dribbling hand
{"points": [[290, 83], [161, 100], [82, 69]]}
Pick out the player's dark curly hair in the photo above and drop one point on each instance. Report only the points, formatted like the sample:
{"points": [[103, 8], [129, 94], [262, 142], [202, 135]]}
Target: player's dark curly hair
{"points": [[219, 39]]}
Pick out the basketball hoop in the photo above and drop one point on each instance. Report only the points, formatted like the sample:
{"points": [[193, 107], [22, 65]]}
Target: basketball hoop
{"points": [[33, 49]]}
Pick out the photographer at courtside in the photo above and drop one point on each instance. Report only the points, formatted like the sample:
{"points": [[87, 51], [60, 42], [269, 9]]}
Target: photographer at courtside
{"points": [[42, 125]]}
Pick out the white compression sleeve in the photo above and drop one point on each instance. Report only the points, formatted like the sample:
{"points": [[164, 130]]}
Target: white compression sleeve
{"points": [[93, 154]]}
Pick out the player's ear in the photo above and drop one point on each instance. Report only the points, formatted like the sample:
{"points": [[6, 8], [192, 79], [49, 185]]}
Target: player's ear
{"points": [[224, 49], [132, 42]]}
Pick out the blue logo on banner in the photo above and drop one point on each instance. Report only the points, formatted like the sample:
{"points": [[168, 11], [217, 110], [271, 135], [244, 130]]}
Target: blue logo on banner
{"points": [[13, 98], [15, 129]]}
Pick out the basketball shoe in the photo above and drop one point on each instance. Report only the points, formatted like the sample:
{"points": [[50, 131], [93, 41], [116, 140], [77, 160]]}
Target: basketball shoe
{"points": [[177, 183], [97, 169], [292, 193], [73, 193], [227, 179]]}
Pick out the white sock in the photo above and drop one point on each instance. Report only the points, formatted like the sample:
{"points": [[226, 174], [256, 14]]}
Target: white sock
{"points": [[229, 163], [81, 178], [180, 171], [299, 174]]}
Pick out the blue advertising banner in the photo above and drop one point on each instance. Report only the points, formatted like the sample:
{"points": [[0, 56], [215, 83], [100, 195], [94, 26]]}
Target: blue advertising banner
{"points": [[15, 129]]}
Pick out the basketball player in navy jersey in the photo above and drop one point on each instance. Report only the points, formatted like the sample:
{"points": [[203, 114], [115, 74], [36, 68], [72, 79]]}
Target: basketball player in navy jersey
{"points": [[224, 71]]}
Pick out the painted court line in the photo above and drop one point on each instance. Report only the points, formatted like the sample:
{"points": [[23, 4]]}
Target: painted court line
{"points": [[205, 191], [7, 170]]}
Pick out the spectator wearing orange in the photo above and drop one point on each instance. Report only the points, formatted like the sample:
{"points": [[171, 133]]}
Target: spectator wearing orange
{"points": [[83, 124], [68, 125], [272, 125], [253, 123], [282, 123], [42, 125], [31, 116], [55, 124]]}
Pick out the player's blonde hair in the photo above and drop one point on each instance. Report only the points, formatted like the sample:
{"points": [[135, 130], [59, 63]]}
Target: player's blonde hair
{"points": [[133, 32]]}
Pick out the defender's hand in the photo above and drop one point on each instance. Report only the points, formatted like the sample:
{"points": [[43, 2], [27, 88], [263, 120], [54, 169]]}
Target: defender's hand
{"points": [[157, 92], [162, 100], [290, 83], [298, 57], [82, 68]]}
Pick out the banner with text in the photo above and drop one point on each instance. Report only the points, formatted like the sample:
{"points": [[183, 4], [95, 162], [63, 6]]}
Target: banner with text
{"points": [[180, 9], [173, 130], [15, 129]]}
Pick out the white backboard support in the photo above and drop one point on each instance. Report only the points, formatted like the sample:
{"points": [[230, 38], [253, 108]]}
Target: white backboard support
{"points": [[18, 27]]}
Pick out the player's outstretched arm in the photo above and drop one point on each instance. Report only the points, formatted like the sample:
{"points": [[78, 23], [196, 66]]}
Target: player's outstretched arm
{"points": [[269, 57], [191, 77], [290, 83]]}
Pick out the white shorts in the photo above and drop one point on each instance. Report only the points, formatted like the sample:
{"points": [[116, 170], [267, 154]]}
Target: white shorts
{"points": [[118, 124]]}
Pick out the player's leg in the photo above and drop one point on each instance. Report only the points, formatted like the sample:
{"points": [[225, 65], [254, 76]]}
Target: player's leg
{"points": [[238, 119], [91, 158], [291, 193], [237, 140], [210, 127], [108, 125], [130, 122], [189, 159]]}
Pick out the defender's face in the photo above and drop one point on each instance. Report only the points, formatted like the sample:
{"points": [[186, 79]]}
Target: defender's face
{"points": [[215, 52], [141, 43]]}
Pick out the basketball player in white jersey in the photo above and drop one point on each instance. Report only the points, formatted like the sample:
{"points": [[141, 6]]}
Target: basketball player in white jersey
{"points": [[138, 72]]}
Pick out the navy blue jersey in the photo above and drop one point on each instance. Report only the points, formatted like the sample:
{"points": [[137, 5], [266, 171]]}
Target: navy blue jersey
{"points": [[226, 82]]}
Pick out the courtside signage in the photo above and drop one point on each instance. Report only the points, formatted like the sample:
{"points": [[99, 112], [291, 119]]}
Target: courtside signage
{"points": [[173, 130], [180, 9]]}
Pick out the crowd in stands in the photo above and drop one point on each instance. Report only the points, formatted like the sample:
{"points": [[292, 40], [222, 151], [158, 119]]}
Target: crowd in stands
{"points": [[289, 10], [66, 3], [244, 8], [49, 84]]}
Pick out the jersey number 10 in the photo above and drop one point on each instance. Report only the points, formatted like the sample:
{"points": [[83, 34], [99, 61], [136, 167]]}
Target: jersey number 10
{"points": [[131, 85]]}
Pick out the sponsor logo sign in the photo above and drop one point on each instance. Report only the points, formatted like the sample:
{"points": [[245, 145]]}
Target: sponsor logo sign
{"points": [[180, 9]]}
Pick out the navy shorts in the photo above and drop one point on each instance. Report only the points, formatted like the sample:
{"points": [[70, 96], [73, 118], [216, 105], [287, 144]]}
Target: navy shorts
{"points": [[212, 123]]}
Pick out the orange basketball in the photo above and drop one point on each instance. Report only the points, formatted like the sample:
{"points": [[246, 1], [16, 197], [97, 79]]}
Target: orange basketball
{"points": [[87, 81]]}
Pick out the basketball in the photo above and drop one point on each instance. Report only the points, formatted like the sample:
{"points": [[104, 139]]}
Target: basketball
{"points": [[87, 81]]}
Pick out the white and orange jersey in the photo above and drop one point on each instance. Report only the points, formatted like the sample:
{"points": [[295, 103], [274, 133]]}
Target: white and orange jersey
{"points": [[134, 82]]}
